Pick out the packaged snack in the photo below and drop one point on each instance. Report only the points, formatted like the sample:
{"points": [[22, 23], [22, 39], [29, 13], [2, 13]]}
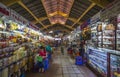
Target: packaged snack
{"points": [[99, 27], [110, 27]]}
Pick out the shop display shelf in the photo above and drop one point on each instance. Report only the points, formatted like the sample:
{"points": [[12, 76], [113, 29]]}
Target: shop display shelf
{"points": [[98, 58], [107, 43], [107, 37], [99, 66], [118, 30], [118, 37], [100, 62], [108, 30], [12, 63], [99, 52]]}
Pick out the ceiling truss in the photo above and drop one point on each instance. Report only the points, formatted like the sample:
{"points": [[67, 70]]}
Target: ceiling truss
{"points": [[44, 18], [9, 2], [45, 9], [69, 13], [90, 7], [67, 26], [100, 3], [58, 28], [19, 2]]}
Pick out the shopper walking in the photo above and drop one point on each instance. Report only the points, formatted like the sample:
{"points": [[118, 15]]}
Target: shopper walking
{"points": [[49, 51], [62, 50], [48, 48]]}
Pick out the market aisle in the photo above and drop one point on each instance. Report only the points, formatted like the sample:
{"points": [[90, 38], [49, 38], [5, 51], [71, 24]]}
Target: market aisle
{"points": [[63, 66]]}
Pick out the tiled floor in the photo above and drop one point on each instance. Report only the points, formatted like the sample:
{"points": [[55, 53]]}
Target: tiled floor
{"points": [[63, 66]]}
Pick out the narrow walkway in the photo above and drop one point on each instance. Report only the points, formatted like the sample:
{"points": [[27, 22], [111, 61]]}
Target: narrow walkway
{"points": [[63, 66]]}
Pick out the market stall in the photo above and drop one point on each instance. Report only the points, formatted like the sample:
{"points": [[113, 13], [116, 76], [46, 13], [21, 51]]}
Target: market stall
{"points": [[18, 43], [102, 50]]}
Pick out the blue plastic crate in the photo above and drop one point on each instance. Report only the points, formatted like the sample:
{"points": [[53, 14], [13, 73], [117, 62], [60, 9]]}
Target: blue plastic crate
{"points": [[78, 60]]}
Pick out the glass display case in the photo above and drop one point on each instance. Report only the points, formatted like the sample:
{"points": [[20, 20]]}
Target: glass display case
{"points": [[93, 41], [115, 65], [108, 36], [98, 60], [104, 61], [99, 34], [118, 34]]}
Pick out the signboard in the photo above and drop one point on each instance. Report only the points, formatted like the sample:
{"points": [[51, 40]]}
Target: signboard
{"points": [[15, 16]]}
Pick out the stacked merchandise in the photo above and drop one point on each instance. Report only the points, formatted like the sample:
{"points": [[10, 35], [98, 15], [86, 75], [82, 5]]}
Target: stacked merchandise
{"points": [[86, 33], [99, 34], [16, 47], [93, 41], [109, 35]]}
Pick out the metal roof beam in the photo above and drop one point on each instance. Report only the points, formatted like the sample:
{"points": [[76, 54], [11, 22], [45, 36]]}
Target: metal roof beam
{"points": [[84, 13], [101, 3], [9, 2], [74, 20], [67, 26], [40, 19], [30, 12], [45, 9], [44, 18], [70, 8], [47, 26], [59, 28]]}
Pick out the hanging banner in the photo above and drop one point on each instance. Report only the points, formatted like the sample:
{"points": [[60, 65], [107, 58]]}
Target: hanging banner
{"points": [[4, 10], [15, 16]]}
